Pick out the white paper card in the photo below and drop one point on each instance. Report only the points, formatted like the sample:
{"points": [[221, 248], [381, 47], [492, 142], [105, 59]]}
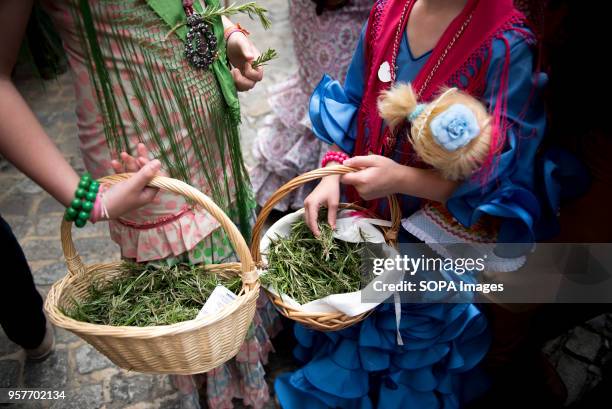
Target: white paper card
{"points": [[220, 297]]}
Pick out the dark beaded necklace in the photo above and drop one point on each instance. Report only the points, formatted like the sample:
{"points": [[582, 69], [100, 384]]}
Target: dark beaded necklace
{"points": [[201, 43]]}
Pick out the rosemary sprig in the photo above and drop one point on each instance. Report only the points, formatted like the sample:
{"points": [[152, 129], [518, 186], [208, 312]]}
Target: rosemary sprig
{"points": [[145, 295], [252, 9], [264, 58], [308, 268]]}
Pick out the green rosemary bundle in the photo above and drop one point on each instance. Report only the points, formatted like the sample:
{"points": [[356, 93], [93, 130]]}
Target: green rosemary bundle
{"points": [[308, 268], [148, 295]]}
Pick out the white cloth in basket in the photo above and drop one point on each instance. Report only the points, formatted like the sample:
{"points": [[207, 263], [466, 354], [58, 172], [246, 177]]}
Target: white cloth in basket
{"points": [[348, 228]]}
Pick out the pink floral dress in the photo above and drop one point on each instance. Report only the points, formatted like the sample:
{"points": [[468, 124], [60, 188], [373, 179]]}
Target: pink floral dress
{"points": [[170, 228], [285, 146]]}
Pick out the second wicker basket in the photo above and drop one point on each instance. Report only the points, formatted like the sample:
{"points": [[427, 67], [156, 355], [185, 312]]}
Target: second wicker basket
{"points": [[321, 321]]}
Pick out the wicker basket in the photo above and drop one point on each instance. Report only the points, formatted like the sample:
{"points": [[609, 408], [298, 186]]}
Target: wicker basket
{"points": [[188, 347], [323, 321]]}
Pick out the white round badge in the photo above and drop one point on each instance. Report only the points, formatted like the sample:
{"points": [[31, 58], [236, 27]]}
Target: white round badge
{"points": [[384, 72]]}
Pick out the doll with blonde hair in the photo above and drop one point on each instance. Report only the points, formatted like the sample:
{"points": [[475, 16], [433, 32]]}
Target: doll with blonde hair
{"points": [[452, 133]]}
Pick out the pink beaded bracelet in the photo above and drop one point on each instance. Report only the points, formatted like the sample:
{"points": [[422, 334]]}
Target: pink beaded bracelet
{"points": [[334, 156]]}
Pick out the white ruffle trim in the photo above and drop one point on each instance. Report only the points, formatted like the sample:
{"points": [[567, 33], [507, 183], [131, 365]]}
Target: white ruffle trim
{"points": [[166, 239]]}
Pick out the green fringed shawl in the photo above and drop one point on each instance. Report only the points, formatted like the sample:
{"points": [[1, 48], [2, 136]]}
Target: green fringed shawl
{"points": [[173, 14], [211, 122]]}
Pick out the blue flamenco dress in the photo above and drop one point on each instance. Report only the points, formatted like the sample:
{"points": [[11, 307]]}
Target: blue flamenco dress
{"points": [[437, 366]]}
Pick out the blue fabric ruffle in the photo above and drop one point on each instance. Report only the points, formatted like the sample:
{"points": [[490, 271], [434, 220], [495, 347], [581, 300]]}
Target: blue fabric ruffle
{"points": [[332, 114], [363, 367]]}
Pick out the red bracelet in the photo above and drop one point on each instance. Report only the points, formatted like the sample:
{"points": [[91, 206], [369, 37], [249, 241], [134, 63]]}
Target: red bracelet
{"points": [[234, 29], [334, 156]]}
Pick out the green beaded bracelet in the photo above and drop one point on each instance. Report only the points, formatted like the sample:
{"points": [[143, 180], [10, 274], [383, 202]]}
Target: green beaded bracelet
{"points": [[80, 193], [76, 203], [91, 196], [82, 205], [71, 213], [83, 215], [80, 222], [87, 206]]}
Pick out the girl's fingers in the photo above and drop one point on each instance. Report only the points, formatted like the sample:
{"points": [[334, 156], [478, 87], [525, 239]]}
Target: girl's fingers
{"points": [[128, 163], [254, 74], [332, 213], [362, 161], [311, 215], [143, 154], [146, 174], [131, 165], [117, 166], [242, 83], [148, 194], [350, 178], [134, 191], [143, 162]]}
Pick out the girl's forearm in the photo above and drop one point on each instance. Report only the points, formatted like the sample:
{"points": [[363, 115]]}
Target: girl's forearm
{"points": [[24, 142], [424, 183], [227, 23]]}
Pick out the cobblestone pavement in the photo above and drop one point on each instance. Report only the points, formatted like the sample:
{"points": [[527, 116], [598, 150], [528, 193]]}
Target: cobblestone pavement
{"points": [[89, 379]]}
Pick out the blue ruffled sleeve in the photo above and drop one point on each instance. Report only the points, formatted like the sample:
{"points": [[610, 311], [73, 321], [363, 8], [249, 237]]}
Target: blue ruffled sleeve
{"points": [[512, 193], [333, 107]]}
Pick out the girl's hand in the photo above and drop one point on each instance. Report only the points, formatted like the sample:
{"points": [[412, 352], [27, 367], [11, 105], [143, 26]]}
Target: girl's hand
{"points": [[131, 163], [379, 177], [327, 192], [241, 52], [132, 193]]}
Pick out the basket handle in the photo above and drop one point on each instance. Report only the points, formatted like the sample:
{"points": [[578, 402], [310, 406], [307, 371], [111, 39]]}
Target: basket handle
{"points": [[247, 268], [390, 234]]}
